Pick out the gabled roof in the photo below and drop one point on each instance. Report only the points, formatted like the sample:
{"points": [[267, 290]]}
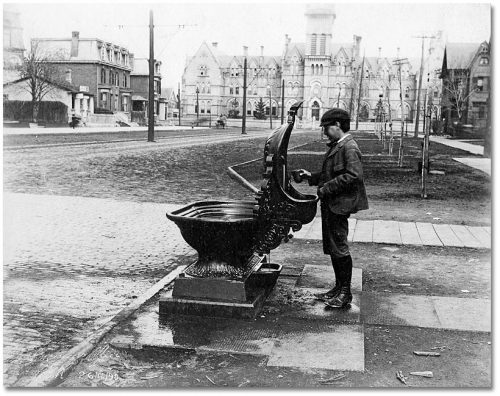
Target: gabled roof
{"points": [[296, 46], [336, 47], [60, 84], [460, 55]]}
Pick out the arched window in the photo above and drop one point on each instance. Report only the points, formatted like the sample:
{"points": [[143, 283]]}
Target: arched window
{"points": [[255, 89], [321, 69], [237, 90], [296, 88], [315, 110], [290, 87], [231, 90], [203, 88], [249, 108], [344, 90]]}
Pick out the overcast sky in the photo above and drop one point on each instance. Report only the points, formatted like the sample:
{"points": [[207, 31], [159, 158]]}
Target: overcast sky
{"points": [[237, 23]]}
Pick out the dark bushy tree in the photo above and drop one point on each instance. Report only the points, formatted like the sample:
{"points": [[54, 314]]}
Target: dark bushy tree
{"points": [[260, 110]]}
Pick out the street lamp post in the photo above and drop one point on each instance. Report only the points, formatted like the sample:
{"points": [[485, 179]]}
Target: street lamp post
{"points": [[197, 104], [270, 108]]}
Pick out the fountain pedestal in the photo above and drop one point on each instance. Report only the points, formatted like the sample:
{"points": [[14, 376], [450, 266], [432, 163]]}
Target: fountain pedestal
{"points": [[231, 277]]}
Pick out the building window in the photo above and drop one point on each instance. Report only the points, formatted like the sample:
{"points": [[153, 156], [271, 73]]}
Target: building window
{"points": [[436, 93], [322, 44], [231, 90], [407, 92], [209, 107], [237, 91], [484, 61], [124, 103], [103, 76], [116, 102], [313, 44]]}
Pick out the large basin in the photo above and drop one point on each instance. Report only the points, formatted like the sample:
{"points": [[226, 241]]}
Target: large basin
{"points": [[222, 232]]}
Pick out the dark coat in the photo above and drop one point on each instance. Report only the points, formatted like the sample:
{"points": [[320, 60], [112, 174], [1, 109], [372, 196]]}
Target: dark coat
{"points": [[341, 178]]}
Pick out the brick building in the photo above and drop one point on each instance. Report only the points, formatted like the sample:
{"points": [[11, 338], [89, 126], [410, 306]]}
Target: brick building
{"points": [[95, 66], [139, 83]]}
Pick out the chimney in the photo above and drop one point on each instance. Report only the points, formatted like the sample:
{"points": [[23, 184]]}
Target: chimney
{"points": [[75, 38], [356, 45], [245, 51], [397, 53], [287, 40], [379, 54], [214, 44], [68, 76], [131, 59], [262, 51]]}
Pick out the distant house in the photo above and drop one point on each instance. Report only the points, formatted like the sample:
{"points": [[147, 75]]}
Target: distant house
{"points": [[100, 68], [169, 97], [139, 82], [71, 97], [466, 74]]}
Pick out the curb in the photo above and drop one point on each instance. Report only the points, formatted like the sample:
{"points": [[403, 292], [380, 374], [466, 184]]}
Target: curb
{"points": [[58, 372]]}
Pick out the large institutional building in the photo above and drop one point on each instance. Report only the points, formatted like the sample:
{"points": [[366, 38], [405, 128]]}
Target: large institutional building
{"points": [[320, 71]]}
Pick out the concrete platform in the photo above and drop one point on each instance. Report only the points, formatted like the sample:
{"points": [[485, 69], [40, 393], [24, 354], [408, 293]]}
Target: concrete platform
{"points": [[464, 314], [295, 330]]}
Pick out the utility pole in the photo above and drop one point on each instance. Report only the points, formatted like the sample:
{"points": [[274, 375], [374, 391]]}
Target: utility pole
{"points": [[359, 92], [421, 73], [244, 117], [425, 145], [399, 62], [179, 101], [282, 102], [391, 136], [351, 100], [151, 114]]}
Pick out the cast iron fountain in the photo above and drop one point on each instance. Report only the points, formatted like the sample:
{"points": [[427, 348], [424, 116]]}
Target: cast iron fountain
{"points": [[231, 276]]}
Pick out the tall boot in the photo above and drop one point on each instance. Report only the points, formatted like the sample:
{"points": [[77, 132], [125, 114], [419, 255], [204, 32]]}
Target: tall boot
{"points": [[336, 289], [344, 298]]}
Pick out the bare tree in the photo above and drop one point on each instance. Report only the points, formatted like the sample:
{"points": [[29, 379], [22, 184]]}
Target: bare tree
{"points": [[458, 93], [40, 73]]}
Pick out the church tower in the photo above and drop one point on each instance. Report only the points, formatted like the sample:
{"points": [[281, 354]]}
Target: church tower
{"points": [[319, 26]]}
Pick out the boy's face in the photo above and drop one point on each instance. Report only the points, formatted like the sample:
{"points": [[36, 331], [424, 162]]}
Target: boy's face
{"points": [[333, 132]]}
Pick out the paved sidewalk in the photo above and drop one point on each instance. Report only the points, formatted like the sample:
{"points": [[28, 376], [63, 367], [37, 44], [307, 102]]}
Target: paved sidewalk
{"points": [[471, 148], [407, 233]]}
